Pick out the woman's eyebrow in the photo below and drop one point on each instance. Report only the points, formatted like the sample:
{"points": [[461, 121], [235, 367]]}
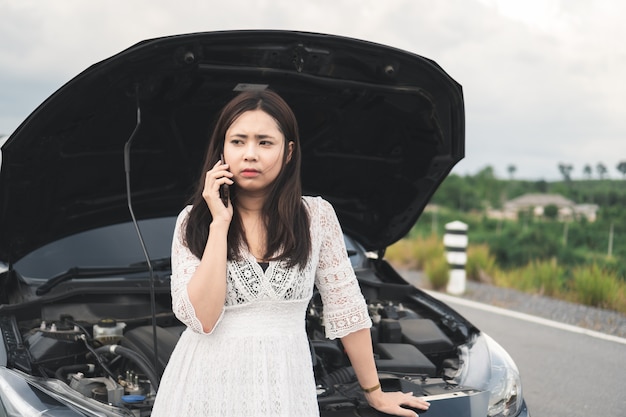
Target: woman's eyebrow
{"points": [[257, 136]]}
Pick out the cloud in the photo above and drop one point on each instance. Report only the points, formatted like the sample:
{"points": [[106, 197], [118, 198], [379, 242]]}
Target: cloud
{"points": [[543, 83]]}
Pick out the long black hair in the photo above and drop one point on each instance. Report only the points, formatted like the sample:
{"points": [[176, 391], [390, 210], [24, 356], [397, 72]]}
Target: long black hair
{"points": [[284, 214]]}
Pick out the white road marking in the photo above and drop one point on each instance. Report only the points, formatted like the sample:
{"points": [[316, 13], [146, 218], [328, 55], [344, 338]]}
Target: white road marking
{"points": [[522, 316]]}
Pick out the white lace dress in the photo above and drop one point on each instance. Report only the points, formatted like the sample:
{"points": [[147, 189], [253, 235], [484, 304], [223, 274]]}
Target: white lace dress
{"points": [[256, 361]]}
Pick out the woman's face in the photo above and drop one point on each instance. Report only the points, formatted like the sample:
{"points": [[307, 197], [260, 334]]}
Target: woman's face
{"points": [[253, 149]]}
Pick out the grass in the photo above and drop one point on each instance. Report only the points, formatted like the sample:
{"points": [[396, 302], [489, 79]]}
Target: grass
{"points": [[591, 285], [481, 264], [595, 287], [538, 277], [438, 271], [422, 253], [415, 253]]}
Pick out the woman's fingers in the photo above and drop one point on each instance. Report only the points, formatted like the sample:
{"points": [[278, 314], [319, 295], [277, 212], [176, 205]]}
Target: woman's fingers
{"points": [[217, 176], [214, 178], [400, 404]]}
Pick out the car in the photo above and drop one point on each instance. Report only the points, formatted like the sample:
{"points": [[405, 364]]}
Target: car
{"points": [[92, 181]]}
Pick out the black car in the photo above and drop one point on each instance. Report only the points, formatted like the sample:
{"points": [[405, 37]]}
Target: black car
{"points": [[91, 183]]}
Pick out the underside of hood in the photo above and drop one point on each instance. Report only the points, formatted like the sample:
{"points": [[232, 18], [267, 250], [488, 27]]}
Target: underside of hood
{"points": [[380, 130]]}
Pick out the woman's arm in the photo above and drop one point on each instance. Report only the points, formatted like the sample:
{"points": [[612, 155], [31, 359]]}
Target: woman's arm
{"points": [[207, 286], [199, 285], [346, 315], [358, 346], [185, 265]]}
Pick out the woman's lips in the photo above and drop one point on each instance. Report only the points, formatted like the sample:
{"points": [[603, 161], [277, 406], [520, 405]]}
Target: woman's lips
{"points": [[249, 173]]}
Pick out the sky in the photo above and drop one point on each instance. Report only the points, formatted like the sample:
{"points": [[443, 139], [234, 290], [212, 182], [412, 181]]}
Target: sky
{"points": [[543, 80]]}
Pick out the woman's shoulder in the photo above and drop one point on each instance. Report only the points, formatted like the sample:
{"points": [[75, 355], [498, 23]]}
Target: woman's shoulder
{"points": [[317, 206], [184, 213], [311, 199], [312, 203]]}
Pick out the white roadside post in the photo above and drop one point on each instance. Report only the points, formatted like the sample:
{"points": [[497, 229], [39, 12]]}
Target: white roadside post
{"points": [[455, 242]]}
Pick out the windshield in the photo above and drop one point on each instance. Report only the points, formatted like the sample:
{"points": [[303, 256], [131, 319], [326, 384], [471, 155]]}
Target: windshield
{"points": [[110, 246], [118, 246]]}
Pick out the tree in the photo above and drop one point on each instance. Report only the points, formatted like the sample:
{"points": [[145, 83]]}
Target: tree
{"points": [[511, 168], [601, 168], [587, 171], [621, 167], [551, 211], [487, 173], [541, 186], [566, 170], [457, 193]]}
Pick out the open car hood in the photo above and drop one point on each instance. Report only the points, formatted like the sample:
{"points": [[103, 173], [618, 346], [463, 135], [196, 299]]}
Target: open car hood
{"points": [[380, 129]]}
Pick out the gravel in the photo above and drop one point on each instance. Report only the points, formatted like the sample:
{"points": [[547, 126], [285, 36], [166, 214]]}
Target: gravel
{"points": [[597, 319]]}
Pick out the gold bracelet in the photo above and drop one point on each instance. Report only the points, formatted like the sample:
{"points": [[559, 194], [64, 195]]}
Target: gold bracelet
{"points": [[372, 389]]}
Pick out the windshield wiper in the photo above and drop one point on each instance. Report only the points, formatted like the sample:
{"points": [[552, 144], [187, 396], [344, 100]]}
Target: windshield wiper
{"points": [[161, 264], [96, 272]]}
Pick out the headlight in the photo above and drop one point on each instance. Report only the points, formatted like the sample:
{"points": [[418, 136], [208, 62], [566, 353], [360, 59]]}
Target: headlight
{"points": [[487, 366]]}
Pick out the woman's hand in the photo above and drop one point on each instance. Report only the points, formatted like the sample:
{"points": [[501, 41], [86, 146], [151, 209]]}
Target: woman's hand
{"points": [[390, 402], [214, 178]]}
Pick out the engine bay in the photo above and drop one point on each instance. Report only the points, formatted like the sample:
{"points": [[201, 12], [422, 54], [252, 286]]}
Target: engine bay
{"points": [[103, 348]]}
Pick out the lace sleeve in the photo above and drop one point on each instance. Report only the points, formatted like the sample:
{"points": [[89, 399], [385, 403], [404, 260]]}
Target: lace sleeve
{"points": [[184, 264], [345, 310]]}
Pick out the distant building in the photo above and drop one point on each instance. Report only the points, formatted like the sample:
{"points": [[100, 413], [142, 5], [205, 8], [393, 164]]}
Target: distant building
{"points": [[536, 203]]}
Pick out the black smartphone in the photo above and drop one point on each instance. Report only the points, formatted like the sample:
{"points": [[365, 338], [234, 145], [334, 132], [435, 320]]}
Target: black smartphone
{"points": [[224, 192]]}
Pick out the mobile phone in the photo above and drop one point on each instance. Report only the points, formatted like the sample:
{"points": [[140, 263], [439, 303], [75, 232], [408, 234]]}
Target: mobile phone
{"points": [[224, 192]]}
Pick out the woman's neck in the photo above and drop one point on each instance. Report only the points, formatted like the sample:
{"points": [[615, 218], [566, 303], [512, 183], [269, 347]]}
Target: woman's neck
{"points": [[250, 206], [250, 209], [254, 232]]}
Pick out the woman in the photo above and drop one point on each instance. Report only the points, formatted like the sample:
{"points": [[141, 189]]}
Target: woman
{"points": [[243, 271]]}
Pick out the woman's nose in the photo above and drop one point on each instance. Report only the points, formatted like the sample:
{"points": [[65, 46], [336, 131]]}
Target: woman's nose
{"points": [[250, 151]]}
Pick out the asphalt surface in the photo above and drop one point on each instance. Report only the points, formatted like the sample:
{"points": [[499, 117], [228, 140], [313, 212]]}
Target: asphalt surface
{"points": [[570, 365], [595, 319]]}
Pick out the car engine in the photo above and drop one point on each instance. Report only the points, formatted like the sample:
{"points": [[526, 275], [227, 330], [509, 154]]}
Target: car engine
{"points": [[112, 360]]}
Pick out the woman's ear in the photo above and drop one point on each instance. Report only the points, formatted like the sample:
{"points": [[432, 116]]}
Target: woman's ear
{"points": [[290, 146]]}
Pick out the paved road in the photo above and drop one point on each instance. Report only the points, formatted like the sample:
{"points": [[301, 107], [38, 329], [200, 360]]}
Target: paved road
{"points": [[565, 372]]}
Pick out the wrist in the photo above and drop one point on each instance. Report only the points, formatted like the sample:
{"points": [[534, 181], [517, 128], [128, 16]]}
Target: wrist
{"points": [[373, 397], [219, 224], [371, 389]]}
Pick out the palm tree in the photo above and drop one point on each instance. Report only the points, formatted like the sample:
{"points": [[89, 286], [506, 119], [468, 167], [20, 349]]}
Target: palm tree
{"points": [[621, 167], [566, 170], [601, 168], [511, 168], [587, 171]]}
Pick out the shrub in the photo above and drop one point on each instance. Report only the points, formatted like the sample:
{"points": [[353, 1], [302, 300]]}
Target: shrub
{"points": [[438, 272], [519, 278], [415, 252], [593, 286], [481, 264], [542, 277], [428, 248], [516, 248], [545, 277], [507, 278], [551, 211], [620, 298], [400, 254], [602, 284]]}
